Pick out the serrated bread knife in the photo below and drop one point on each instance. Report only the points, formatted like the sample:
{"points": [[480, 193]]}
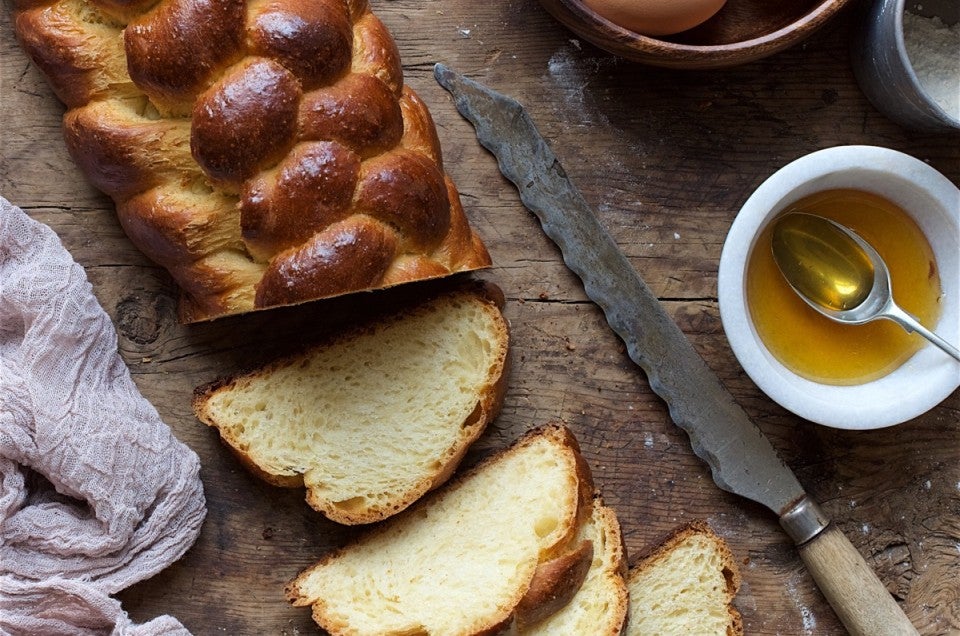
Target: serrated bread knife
{"points": [[740, 457]]}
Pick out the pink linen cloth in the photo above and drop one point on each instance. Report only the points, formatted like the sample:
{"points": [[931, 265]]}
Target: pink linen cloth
{"points": [[95, 491]]}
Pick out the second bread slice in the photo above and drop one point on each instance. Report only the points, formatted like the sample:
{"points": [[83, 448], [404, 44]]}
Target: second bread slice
{"points": [[373, 420], [599, 608], [493, 550]]}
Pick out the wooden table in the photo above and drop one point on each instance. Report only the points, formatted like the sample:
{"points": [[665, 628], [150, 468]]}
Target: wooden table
{"points": [[667, 158]]}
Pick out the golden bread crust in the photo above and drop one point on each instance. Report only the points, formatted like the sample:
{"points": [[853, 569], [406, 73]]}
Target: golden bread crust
{"points": [[554, 584], [599, 606], [265, 153]]}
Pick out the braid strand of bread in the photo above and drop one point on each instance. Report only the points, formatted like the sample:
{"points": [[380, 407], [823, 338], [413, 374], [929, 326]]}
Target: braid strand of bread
{"points": [[265, 152]]}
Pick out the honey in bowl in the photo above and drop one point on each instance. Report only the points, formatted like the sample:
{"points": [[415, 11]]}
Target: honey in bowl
{"points": [[820, 349]]}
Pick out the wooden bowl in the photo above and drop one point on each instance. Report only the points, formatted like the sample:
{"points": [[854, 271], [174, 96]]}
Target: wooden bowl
{"points": [[742, 31]]}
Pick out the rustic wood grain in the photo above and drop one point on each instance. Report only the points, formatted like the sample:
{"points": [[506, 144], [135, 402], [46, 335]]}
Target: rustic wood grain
{"points": [[666, 158]]}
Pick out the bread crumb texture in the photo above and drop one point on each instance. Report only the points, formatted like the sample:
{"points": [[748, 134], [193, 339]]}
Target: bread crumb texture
{"points": [[685, 587], [459, 562], [599, 607], [376, 418]]}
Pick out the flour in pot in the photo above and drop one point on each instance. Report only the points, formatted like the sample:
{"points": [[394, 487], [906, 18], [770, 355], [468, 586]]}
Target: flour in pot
{"points": [[934, 51]]}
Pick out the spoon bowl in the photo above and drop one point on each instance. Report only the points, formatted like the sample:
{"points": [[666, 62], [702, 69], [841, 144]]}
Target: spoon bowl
{"points": [[817, 260], [840, 275]]}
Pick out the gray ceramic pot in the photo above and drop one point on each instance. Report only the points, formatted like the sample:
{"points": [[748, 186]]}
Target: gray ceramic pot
{"points": [[883, 69]]}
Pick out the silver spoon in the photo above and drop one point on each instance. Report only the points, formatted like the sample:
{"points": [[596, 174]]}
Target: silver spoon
{"points": [[839, 274]]}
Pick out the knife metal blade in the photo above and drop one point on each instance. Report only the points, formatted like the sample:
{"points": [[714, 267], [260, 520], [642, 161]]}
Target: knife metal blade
{"points": [[741, 459]]}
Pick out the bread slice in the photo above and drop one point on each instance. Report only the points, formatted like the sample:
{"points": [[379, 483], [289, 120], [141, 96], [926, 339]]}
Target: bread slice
{"points": [[379, 416], [599, 607], [685, 586], [501, 540]]}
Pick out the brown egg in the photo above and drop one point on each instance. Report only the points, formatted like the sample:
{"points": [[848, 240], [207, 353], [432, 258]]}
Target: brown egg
{"points": [[656, 17]]}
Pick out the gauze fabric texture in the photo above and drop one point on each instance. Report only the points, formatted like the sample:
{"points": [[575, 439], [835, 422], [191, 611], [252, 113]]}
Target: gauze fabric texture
{"points": [[95, 491]]}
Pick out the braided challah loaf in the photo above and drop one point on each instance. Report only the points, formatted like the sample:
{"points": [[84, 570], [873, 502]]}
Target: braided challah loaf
{"points": [[266, 152]]}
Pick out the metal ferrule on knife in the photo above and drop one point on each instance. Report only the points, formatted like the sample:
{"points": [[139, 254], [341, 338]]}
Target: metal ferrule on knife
{"points": [[804, 520]]}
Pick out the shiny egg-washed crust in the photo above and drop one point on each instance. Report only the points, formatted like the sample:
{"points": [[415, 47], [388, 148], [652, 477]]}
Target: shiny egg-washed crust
{"points": [[265, 152]]}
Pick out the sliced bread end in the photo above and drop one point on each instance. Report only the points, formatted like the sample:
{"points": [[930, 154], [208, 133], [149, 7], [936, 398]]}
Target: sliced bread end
{"points": [[685, 585], [375, 418]]}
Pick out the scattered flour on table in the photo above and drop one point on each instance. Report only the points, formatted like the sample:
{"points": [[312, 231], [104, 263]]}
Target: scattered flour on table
{"points": [[806, 614], [809, 620], [934, 51], [571, 72], [571, 75]]}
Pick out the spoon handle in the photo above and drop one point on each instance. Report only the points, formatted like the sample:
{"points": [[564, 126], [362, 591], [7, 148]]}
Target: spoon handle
{"points": [[910, 323]]}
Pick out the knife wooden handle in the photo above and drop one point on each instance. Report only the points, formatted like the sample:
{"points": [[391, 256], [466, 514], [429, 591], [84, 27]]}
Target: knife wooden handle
{"points": [[858, 597]]}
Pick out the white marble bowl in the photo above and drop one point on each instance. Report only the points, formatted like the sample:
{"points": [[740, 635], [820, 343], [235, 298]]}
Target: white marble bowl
{"points": [[930, 375]]}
